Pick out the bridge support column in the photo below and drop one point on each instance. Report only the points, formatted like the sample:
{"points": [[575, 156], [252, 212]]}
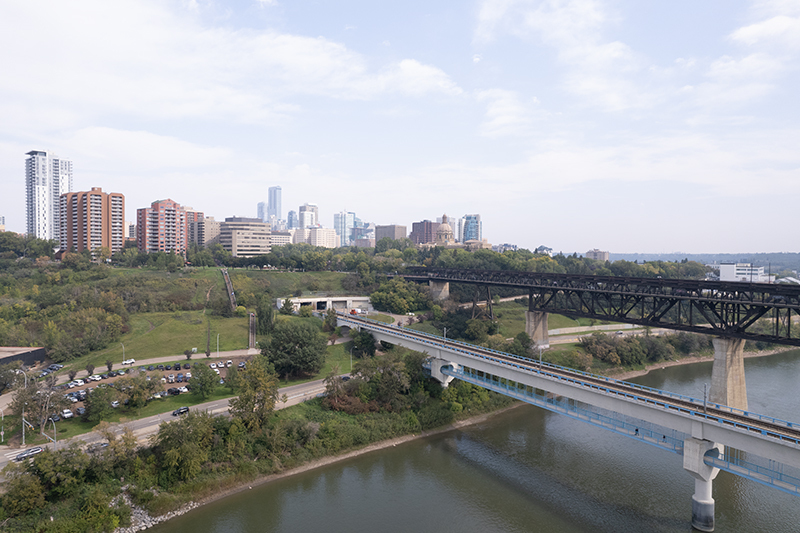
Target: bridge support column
{"points": [[440, 290], [436, 371], [702, 502], [536, 328], [727, 376]]}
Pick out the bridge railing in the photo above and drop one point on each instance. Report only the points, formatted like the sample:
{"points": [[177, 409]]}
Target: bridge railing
{"points": [[475, 351]]}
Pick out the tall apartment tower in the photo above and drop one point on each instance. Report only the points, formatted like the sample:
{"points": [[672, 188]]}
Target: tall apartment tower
{"points": [[92, 219], [262, 211], [470, 228], [308, 215], [292, 222], [274, 204], [163, 227], [47, 177], [343, 224]]}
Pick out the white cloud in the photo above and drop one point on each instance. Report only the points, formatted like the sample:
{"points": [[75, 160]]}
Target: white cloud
{"points": [[505, 113], [782, 30]]}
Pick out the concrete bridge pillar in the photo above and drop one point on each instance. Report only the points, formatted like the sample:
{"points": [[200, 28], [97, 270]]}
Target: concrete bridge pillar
{"points": [[727, 376], [536, 328], [702, 502], [436, 371], [440, 290]]}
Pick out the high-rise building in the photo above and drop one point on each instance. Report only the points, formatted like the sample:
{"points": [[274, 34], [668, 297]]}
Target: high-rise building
{"points": [[424, 232], [292, 221], [204, 232], [274, 205], [392, 231], [324, 237], [597, 255], [91, 220], [470, 228], [309, 215], [47, 177], [262, 211], [2, 223], [163, 227], [343, 224], [245, 237]]}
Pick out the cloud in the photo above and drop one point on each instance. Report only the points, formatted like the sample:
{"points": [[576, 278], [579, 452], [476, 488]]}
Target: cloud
{"points": [[781, 30], [505, 114], [159, 60]]}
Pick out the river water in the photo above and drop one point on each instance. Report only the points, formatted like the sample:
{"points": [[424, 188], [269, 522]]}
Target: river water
{"points": [[523, 470]]}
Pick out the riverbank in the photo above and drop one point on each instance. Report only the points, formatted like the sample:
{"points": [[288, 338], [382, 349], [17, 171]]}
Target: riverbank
{"points": [[141, 520], [688, 360]]}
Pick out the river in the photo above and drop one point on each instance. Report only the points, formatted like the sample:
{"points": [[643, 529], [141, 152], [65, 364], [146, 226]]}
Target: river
{"points": [[523, 470]]}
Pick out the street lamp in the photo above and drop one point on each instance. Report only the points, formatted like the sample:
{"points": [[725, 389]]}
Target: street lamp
{"points": [[2, 424], [445, 334], [351, 359], [217, 345], [23, 404], [55, 434]]}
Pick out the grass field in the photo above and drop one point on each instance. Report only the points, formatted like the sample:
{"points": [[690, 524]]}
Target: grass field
{"points": [[163, 334], [284, 284]]}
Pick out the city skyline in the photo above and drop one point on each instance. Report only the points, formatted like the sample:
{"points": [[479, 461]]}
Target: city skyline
{"points": [[576, 124]]}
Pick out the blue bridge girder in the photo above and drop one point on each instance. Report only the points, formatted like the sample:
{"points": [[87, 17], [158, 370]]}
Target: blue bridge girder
{"points": [[724, 309], [674, 415]]}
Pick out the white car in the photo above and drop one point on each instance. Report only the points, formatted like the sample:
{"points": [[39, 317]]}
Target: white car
{"points": [[66, 413], [94, 377], [217, 371], [229, 363], [129, 362], [79, 383], [183, 389], [213, 365]]}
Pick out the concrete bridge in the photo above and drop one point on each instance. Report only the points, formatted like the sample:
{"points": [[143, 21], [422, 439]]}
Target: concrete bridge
{"points": [[706, 434]]}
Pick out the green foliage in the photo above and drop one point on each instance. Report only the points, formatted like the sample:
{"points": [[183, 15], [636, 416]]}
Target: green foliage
{"points": [[204, 381], [265, 315], [24, 491], [363, 343], [183, 446], [98, 404], [306, 311], [296, 348], [287, 308], [258, 390], [399, 297]]}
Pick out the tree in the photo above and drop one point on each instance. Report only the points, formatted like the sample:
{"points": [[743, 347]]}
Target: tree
{"points": [[232, 378], [183, 446], [265, 315], [98, 404], [306, 311], [296, 348], [330, 321], [363, 343], [24, 492], [188, 353], [109, 364], [89, 369], [258, 390], [72, 373], [287, 308], [208, 339], [204, 381], [137, 388]]}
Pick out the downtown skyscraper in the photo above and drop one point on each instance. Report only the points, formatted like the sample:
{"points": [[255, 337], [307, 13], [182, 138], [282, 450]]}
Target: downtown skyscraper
{"points": [[274, 204], [47, 177]]}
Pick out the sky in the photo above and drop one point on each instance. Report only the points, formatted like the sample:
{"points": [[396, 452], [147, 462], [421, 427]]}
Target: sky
{"points": [[622, 125]]}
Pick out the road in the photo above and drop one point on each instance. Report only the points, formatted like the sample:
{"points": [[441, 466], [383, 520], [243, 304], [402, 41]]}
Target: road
{"points": [[144, 428]]}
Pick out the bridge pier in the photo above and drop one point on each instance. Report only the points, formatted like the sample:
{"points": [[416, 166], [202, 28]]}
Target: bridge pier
{"points": [[440, 290], [727, 376], [702, 502], [436, 371], [536, 328]]}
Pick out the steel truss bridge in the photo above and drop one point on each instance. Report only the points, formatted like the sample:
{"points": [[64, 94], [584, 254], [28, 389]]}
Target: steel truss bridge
{"points": [[751, 311]]}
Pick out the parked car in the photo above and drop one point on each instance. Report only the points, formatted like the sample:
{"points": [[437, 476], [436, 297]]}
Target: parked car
{"points": [[177, 366], [213, 365], [67, 413], [186, 366], [180, 411], [54, 417], [229, 363], [80, 411], [115, 404], [171, 378], [27, 454], [151, 367], [179, 378], [97, 447], [129, 362], [160, 367], [188, 376], [183, 389]]}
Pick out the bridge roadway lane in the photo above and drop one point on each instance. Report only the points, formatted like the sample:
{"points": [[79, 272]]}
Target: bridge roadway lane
{"points": [[144, 428]]}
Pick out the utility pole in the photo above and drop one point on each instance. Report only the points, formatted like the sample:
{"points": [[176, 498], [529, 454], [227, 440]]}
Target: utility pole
{"points": [[217, 345]]}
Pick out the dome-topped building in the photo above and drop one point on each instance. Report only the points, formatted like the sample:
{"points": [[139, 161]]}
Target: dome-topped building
{"points": [[444, 234]]}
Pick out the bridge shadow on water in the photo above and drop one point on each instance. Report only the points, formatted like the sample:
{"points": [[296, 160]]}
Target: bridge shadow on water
{"points": [[571, 503]]}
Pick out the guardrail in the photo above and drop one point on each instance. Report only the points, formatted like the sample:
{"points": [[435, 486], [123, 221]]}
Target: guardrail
{"points": [[536, 367]]}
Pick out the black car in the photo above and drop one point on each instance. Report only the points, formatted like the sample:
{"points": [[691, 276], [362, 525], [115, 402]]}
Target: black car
{"points": [[186, 366], [54, 418], [151, 367], [177, 366], [160, 367], [173, 391], [112, 374], [180, 411]]}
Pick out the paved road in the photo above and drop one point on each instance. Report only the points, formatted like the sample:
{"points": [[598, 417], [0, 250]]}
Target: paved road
{"points": [[144, 428]]}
